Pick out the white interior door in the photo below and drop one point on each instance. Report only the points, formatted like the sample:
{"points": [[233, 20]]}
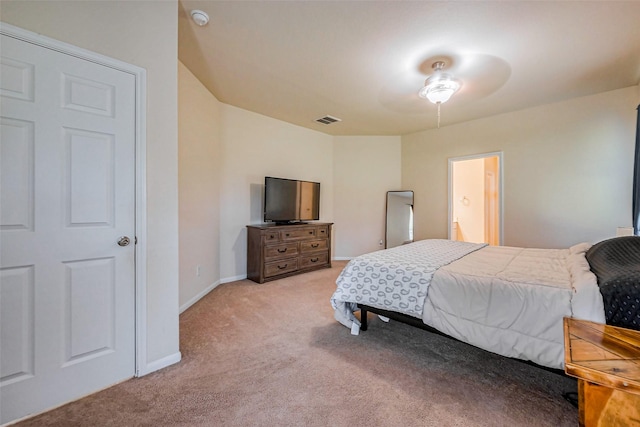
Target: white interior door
{"points": [[67, 187], [491, 208]]}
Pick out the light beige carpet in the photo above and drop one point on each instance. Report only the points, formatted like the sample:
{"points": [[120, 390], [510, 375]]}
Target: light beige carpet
{"points": [[272, 355]]}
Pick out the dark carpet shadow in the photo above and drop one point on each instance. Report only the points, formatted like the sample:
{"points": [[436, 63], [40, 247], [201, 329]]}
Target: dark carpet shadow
{"points": [[437, 366]]}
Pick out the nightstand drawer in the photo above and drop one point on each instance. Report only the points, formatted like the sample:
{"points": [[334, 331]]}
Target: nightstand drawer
{"points": [[313, 245], [315, 259], [284, 250], [279, 267]]}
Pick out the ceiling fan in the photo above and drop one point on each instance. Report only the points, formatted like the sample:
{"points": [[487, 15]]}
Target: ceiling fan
{"points": [[434, 77], [439, 86]]}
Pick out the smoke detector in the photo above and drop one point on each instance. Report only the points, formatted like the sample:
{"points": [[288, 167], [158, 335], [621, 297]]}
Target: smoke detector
{"points": [[199, 17]]}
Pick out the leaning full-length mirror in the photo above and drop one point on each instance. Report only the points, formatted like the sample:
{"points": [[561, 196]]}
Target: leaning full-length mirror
{"points": [[399, 225]]}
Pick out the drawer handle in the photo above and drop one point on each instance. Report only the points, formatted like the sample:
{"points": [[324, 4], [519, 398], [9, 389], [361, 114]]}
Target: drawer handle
{"points": [[271, 236], [283, 267], [322, 231], [281, 251], [314, 259], [315, 245], [311, 232], [287, 234]]}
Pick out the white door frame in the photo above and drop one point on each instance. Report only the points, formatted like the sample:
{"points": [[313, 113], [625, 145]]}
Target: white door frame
{"points": [[452, 160], [140, 75]]}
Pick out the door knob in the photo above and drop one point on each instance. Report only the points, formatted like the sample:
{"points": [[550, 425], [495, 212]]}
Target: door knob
{"points": [[124, 241]]}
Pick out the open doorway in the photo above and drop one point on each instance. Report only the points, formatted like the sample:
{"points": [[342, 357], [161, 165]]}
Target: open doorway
{"points": [[475, 198]]}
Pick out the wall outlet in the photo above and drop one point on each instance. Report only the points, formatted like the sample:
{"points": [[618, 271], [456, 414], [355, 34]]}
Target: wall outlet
{"points": [[380, 243], [198, 270]]}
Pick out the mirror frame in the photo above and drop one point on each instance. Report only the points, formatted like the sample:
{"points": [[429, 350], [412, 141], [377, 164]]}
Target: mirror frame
{"points": [[386, 221]]}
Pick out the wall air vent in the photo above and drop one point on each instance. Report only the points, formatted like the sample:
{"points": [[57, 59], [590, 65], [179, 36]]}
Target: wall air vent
{"points": [[327, 120]]}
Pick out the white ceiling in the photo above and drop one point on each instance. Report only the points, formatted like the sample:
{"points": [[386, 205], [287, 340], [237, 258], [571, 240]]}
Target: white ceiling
{"points": [[364, 61]]}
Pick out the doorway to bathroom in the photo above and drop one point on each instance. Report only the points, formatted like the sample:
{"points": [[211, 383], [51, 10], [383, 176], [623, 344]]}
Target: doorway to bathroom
{"points": [[475, 198]]}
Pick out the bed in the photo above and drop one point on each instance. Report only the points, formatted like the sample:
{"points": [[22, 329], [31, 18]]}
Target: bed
{"points": [[507, 300]]}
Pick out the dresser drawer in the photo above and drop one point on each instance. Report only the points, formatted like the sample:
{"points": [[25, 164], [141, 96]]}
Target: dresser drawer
{"points": [[315, 259], [275, 268], [284, 250], [298, 233], [323, 231], [271, 236], [313, 245]]}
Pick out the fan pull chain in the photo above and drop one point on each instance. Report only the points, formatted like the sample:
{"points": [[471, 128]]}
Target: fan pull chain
{"points": [[439, 114]]}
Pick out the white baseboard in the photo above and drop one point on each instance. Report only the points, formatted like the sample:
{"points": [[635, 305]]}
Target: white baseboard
{"points": [[233, 278], [198, 297], [159, 364], [208, 289]]}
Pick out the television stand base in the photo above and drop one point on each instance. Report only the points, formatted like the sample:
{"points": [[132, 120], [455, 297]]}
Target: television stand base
{"points": [[278, 223]]}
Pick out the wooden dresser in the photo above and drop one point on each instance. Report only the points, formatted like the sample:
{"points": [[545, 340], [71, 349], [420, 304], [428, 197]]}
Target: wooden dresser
{"points": [[276, 251], [606, 361]]}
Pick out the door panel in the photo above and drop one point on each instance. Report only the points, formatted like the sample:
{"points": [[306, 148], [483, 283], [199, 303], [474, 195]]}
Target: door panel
{"points": [[16, 175], [89, 178], [89, 309], [17, 79], [67, 195], [16, 323]]}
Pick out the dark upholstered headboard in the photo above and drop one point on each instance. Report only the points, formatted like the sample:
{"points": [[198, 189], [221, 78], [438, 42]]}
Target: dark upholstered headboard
{"points": [[616, 264]]}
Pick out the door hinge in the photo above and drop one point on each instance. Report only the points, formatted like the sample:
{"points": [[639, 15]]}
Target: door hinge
{"points": [[135, 240]]}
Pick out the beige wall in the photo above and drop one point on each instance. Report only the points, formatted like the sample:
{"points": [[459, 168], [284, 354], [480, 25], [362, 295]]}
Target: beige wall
{"points": [[255, 146], [355, 173], [365, 168], [199, 188], [568, 169], [143, 34]]}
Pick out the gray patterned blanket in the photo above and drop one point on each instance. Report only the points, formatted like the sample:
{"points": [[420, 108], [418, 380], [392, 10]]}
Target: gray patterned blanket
{"points": [[395, 279]]}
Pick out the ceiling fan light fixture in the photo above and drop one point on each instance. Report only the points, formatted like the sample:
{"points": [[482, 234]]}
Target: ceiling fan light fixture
{"points": [[441, 91], [440, 86]]}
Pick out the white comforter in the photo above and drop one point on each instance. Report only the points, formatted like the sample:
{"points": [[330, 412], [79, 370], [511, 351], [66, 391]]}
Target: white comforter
{"points": [[511, 301], [395, 279]]}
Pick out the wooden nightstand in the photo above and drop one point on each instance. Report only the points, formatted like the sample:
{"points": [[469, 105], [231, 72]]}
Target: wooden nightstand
{"points": [[606, 361]]}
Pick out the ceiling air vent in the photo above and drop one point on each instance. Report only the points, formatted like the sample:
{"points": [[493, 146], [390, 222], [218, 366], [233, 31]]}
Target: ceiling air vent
{"points": [[327, 120]]}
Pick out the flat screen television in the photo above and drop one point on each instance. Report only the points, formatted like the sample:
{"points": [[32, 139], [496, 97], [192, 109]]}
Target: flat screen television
{"points": [[291, 201]]}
